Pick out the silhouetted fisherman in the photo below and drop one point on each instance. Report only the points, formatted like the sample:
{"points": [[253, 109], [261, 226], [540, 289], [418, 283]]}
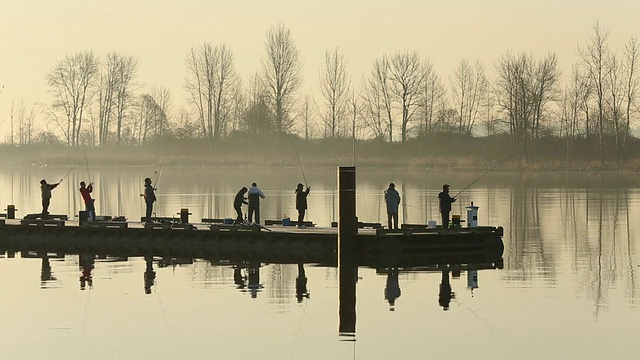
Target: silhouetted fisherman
{"points": [[445, 295], [445, 205], [149, 198], [301, 203], [254, 202], [237, 204], [88, 201], [45, 271], [392, 289], [301, 284], [149, 275], [46, 195], [392, 199]]}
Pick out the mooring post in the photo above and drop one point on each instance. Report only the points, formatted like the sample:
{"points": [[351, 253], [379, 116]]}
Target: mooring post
{"points": [[347, 265]]}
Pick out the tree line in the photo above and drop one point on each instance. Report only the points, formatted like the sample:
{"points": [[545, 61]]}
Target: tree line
{"points": [[99, 101]]}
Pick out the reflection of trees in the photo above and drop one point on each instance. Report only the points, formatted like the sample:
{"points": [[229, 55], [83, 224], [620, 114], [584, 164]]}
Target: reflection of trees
{"points": [[527, 256], [585, 226]]}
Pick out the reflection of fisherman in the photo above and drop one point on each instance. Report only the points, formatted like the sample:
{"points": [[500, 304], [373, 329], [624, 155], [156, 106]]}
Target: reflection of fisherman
{"points": [[88, 201], [301, 284], [254, 202], [149, 275], [445, 205], [254, 279], [238, 279], [392, 290], [46, 195], [86, 265], [445, 295], [237, 203]]}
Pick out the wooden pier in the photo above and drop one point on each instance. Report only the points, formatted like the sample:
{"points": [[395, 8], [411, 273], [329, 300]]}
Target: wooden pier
{"points": [[277, 244]]}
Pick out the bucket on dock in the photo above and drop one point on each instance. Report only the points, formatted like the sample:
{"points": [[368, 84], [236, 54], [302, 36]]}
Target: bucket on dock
{"points": [[431, 224], [286, 221], [455, 221], [228, 221]]}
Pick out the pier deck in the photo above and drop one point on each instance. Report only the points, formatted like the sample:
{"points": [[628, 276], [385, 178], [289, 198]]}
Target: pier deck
{"points": [[278, 244]]}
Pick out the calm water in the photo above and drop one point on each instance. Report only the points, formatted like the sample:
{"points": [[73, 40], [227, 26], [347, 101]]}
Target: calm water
{"points": [[569, 288]]}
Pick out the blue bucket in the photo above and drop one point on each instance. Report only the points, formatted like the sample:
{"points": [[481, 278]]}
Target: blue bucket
{"points": [[228, 221], [286, 222]]}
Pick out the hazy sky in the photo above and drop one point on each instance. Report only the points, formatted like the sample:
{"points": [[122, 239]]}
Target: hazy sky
{"points": [[34, 34]]}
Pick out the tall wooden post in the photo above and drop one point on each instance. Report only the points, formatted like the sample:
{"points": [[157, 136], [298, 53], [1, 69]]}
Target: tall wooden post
{"points": [[347, 264]]}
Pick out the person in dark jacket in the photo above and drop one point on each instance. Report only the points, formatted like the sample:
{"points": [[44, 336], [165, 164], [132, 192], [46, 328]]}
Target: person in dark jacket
{"points": [[46, 195], [445, 205], [237, 203], [254, 195], [149, 198], [392, 199], [301, 203]]}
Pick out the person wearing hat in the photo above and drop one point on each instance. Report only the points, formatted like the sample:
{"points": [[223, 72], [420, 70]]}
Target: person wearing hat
{"points": [[149, 198], [392, 199], [46, 195], [301, 202], [445, 205]]}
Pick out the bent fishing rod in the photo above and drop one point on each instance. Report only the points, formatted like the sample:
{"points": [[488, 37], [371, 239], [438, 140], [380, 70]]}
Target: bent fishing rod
{"points": [[67, 174], [300, 162], [485, 173]]}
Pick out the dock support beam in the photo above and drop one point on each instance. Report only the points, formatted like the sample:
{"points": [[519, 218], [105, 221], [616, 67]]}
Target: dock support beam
{"points": [[347, 264]]}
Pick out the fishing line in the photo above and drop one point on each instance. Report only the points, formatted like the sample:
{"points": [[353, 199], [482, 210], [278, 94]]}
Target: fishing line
{"points": [[485, 173], [86, 163]]}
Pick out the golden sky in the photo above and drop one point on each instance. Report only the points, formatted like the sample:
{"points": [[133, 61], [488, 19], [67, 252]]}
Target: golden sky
{"points": [[34, 34]]}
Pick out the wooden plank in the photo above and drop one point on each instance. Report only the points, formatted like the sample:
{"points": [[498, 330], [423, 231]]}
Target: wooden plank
{"points": [[40, 222], [107, 224]]}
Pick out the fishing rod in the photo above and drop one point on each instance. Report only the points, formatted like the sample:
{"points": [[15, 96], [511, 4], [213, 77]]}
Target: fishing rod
{"points": [[68, 172], [300, 162], [483, 174], [159, 172], [86, 163]]}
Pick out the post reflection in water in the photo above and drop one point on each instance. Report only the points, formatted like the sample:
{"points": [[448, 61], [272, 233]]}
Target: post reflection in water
{"points": [[45, 272]]}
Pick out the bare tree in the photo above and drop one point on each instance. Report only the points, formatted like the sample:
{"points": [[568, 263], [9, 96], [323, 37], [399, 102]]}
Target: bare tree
{"points": [[632, 56], [282, 75], [595, 55], [211, 80], [433, 91], [126, 71], [334, 87], [258, 118], [372, 108], [25, 119], [407, 76], [70, 83], [468, 88], [379, 95]]}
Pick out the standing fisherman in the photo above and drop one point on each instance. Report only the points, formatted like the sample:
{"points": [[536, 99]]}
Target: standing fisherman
{"points": [[392, 198], [46, 195], [149, 198], [254, 202], [237, 203], [88, 201], [301, 203], [445, 205]]}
